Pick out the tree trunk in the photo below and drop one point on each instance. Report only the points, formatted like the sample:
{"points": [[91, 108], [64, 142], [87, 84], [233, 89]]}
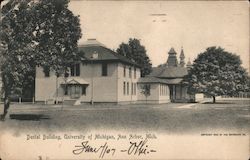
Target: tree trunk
{"points": [[6, 89], [6, 107], [213, 99]]}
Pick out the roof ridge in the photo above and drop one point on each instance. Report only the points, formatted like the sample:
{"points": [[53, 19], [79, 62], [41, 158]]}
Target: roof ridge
{"points": [[91, 42], [111, 52], [117, 55], [164, 68]]}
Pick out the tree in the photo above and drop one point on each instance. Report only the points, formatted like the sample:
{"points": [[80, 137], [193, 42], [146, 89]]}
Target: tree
{"points": [[217, 72], [36, 33], [136, 52], [16, 45], [57, 33], [26, 86], [145, 90]]}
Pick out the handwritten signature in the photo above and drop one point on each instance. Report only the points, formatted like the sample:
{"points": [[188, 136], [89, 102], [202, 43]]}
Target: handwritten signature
{"points": [[140, 148], [134, 148]]}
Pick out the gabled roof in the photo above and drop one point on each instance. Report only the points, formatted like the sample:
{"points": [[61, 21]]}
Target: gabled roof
{"points": [[101, 52], [169, 72]]}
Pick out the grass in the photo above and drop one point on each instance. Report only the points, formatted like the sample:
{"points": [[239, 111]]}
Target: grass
{"points": [[168, 118]]}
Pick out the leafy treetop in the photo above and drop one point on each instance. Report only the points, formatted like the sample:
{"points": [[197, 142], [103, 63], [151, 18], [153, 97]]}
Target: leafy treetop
{"points": [[136, 52], [217, 72]]}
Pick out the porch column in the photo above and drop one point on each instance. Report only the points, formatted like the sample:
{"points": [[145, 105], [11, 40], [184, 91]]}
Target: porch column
{"points": [[174, 93], [181, 92]]}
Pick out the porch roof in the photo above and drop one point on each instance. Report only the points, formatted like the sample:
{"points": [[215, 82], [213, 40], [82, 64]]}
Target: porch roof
{"points": [[76, 81], [169, 72], [174, 81], [159, 80], [151, 80]]}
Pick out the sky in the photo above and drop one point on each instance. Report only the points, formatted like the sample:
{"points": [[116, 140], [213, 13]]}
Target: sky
{"points": [[161, 25]]}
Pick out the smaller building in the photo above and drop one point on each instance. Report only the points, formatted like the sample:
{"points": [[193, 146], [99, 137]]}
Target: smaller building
{"points": [[173, 77], [157, 90], [166, 81]]}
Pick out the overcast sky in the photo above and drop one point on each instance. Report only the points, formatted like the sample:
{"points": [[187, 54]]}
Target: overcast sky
{"points": [[161, 25]]}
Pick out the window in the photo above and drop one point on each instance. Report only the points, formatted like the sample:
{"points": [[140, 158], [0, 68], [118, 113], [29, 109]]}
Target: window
{"points": [[75, 91], [83, 90], [75, 70], [146, 89], [130, 72], [72, 70], [160, 89], [164, 92], [127, 88], [46, 71], [124, 88], [132, 89], [124, 71], [104, 69], [134, 72], [135, 88], [164, 89]]}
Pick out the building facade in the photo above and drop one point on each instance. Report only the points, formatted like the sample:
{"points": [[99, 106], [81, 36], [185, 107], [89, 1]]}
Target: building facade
{"points": [[102, 77]]}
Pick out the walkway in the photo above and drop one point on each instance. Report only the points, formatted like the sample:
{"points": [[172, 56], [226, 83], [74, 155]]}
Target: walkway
{"points": [[191, 105]]}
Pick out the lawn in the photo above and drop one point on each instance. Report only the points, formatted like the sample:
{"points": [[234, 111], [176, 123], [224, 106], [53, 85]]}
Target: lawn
{"points": [[168, 118]]}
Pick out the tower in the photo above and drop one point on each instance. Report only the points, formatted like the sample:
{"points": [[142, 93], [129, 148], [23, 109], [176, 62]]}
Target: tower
{"points": [[172, 60], [182, 58]]}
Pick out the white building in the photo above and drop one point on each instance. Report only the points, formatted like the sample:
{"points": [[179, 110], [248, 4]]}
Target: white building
{"points": [[103, 76]]}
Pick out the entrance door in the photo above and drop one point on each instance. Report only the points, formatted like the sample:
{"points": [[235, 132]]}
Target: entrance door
{"points": [[172, 90], [75, 91]]}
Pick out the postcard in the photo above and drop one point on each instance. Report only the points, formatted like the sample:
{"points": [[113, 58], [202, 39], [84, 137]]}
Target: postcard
{"points": [[124, 80]]}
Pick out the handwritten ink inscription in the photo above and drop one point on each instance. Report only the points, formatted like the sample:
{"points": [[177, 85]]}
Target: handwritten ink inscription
{"points": [[133, 148], [140, 148], [101, 150]]}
